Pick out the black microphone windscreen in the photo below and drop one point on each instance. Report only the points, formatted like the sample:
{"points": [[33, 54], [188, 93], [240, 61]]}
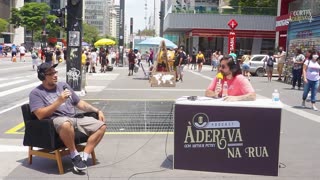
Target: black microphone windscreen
{"points": [[65, 87]]}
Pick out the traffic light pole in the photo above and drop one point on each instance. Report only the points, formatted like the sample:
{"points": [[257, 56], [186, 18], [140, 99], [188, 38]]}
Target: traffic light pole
{"points": [[131, 33], [121, 33], [44, 31], [161, 16], [75, 74]]}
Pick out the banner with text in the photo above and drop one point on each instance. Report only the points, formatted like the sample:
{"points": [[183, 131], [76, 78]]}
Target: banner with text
{"points": [[227, 139]]}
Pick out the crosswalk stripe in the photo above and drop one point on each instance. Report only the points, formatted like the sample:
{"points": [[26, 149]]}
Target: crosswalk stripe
{"points": [[12, 83], [14, 90], [24, 101]]}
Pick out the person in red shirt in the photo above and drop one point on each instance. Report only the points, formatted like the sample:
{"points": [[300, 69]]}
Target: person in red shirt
{"points": [[239, 87], [132, 58]]}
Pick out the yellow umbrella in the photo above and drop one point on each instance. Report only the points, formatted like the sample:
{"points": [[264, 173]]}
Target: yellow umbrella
{"points": [[104, 42]]}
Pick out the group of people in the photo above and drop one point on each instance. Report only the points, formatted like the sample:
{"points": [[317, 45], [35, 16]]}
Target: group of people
{"points": [[306, 68], [21, 50], [91, 57]]}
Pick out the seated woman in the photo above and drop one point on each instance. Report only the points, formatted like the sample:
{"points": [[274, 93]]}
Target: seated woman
{"points": [[239, 88]]}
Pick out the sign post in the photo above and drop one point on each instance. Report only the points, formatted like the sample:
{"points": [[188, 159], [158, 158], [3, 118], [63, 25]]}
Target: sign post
{"points": [[75, 74], [232, 36]]}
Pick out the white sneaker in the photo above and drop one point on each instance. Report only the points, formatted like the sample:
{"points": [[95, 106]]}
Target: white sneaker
{"points": [[314, 108], [303, 104]]}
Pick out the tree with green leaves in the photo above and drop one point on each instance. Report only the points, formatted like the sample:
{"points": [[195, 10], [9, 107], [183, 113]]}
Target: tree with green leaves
{"points": [[34, 17], [258, 7], [147, 32], [90, 33], [111, 37], [3, 25]]}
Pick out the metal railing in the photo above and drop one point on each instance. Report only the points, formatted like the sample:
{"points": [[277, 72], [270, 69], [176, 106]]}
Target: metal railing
{"points": [[231, 10]]}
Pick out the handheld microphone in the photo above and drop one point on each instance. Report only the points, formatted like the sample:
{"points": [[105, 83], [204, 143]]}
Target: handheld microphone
{"points": [[64, 88], [219, 76]]}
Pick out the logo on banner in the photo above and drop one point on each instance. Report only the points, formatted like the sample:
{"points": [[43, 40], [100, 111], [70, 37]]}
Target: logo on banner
{"points": [[220, 136], [300, 15], [232, 41], [232, 24]]}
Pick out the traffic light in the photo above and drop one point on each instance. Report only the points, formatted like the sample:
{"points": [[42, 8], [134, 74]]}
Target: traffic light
{"points": [[60, 13], [160, 15]]}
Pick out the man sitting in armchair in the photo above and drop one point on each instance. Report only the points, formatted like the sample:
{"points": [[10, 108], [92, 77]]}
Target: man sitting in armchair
{"points": [[57, 101]]}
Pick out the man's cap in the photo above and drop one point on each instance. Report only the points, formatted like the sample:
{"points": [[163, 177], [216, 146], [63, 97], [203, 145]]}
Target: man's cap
{"points": [[45, 67]]}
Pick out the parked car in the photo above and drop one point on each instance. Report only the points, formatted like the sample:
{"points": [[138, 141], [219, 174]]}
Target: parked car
{"points": [[256, 65]]}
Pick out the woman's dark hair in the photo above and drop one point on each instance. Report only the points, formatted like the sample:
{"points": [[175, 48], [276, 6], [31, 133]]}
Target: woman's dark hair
{"points": [[312, 52], [298, 50], [233, 65], [270, 53]]}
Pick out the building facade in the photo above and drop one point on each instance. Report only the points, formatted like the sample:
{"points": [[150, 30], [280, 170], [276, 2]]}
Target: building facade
{"points": [[114, 20], [96, 14], [297, 25], [203, 25]]}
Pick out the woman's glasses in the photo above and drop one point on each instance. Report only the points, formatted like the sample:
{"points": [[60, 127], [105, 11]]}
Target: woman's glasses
{"points": [[222, 66]]}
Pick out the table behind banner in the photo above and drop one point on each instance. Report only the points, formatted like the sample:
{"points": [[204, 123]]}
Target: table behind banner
{"points": [[234, 137]]}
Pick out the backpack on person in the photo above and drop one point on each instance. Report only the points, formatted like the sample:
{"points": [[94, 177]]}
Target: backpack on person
{"points": [[184, 58], [270, 61], [34, 55]]}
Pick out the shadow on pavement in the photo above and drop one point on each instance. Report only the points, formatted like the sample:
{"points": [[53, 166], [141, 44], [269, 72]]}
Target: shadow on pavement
{"points": [[168, 162]]}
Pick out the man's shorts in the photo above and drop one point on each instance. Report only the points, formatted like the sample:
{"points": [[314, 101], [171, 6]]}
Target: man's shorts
{"points": [[87, 125]]}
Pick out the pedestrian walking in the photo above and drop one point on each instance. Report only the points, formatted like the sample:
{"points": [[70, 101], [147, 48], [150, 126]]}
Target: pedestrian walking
{"points": [[103, 60], [200, 60], [194, 61], [281, 59], [49, 56], [245, 65], [138, 55], [13, 52], [180, 63], [22, 51], [131, 59], [214, 60], [150, 60], [298, 61], [311, 71], [268, 64], [34, 58], [94, 57]]}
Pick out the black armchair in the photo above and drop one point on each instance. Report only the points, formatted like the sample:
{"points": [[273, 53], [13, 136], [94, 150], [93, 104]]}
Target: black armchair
{"points": [[42, 134]]}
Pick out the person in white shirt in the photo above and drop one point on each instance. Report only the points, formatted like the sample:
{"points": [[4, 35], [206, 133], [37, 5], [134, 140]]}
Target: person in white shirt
{"points": [[22, 50], [311, 77], [93, 61], [138, 55], [281, 59]]}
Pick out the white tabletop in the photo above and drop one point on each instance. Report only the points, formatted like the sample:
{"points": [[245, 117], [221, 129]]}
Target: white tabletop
{"points": [[206, 101]]}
